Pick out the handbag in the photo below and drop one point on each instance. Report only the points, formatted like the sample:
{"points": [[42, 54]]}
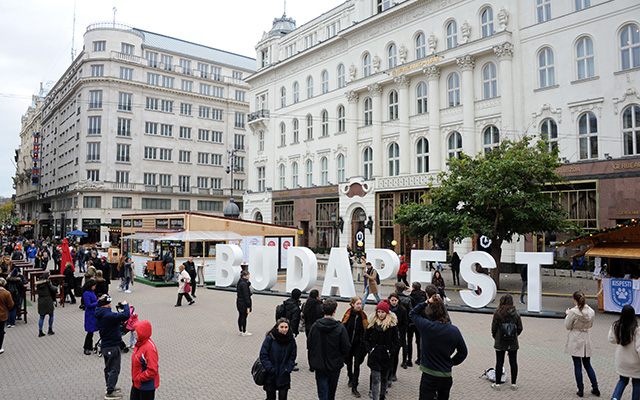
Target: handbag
{"points": [[187, 287], [258, 372]]}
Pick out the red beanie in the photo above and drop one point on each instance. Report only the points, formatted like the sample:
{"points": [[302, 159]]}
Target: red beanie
{"points": [[384, 306]]}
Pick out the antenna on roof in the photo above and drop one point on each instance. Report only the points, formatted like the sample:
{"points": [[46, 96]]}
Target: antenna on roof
{"points": [[114, 16], [73, 33], [285, 8]]}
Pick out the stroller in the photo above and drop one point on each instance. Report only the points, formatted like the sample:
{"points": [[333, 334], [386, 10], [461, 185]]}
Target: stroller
{"points": [[123, 331]]}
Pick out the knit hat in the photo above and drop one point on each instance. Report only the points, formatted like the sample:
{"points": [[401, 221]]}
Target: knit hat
{"points": [[384, 306], [296, 294], [105, 299]]}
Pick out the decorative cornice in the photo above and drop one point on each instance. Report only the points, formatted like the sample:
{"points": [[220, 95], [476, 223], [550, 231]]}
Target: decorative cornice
{"points": [[631, 92], [504, 50], [466, 62], [432, 72]]}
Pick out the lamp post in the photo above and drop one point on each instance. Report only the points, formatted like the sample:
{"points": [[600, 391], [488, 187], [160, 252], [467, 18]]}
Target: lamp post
{"points": [[231, 210]]}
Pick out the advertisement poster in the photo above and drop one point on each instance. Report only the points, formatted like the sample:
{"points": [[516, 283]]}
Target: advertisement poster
{"points": [[246, 244], [618, 293]]}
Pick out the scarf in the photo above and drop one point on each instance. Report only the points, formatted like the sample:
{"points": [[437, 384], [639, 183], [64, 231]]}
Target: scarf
{"points": [[279, 337], [363, 317]]}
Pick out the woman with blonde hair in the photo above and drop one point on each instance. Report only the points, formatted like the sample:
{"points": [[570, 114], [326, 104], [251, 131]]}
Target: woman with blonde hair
{"points": [[578, 321], [381, 339]]}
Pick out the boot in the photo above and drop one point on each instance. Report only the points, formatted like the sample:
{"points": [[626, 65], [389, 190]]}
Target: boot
{"points": [[350, 383], [354, 390], [41, 334], [51, 332]]}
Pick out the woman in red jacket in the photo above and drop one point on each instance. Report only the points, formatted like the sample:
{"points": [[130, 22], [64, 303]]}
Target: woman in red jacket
{"points": [[144, 364]]}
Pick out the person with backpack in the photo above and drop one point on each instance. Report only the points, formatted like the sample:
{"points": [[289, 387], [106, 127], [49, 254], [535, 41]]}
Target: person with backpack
{"points": [[624, 334], [506, 326], [355, 320], [371, 282], [578, 322], [312, 310], [291, 311], [278, 357], [243, 302]]}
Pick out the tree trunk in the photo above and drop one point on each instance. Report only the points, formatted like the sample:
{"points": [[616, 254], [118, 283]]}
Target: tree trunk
{"points": [[496, 253]]}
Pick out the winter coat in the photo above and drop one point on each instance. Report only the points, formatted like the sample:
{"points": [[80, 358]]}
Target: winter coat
{"points": [[327, 345], [243, 300], [312, 311], [417, 297], [183, 279], [15, 286], [370, 280], [46, 296], [402, 314], [109, 325], [144, 361], [455, 262], [511, 316], [69, 281], [91, 303], [292, 313], [101, 287], [6, 303], [439, 283], [578, 323], [356, 324], [31, 252], [127, 270], [191, 269], [381, 340], [278, 356], [627, 357], [403, 269], [17, 255]]}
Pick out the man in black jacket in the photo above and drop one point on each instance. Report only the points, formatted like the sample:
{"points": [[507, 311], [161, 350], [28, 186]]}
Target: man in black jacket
{"points": [[327, 346], [110, 336], [190, 267], [292, 311]]}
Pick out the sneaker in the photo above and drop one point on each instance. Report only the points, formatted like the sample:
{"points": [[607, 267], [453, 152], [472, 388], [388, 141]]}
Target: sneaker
{"points": [[521, 302], [1, 351], [514, 386], [191, 302], [447, 299], [127, 291], [113, 395], [87, 352], [239, 333], [9, 326], [178, 305], [119, 289], [495, 386], [246, 334]]}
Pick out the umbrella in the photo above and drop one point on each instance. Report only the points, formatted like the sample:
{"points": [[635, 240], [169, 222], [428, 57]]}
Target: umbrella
{"points": [[66, 256], [77, 233]]}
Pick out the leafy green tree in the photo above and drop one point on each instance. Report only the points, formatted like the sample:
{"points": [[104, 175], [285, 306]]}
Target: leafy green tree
{"points": [[6, 212], [498, 194]]}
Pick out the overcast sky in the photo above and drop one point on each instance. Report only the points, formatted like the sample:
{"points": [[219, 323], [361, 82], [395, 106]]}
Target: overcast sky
{"points": [[36, 38]]}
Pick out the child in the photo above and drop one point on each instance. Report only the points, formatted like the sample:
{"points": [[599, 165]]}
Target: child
{"points": [[131, 323]]}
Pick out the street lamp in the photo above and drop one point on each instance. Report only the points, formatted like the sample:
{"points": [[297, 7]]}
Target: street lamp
{"points": [[231, 210]]}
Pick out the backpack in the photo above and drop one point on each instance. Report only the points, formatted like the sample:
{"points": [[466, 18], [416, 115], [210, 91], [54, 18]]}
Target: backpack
{"points": [[490, 374], [281, 311], [13, 289], [508, 332], [258, 372]]}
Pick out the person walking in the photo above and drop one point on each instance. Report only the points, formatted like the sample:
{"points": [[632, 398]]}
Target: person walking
{"points": [[90, 322], [455, 268], [370, 284], [126, 274], [183, 290], [190, 267], [402, 272], [46, 297], [312, 310], [506, 326], [6, 303], [327, 347], [444, 339], [69, 281], [355, 321], [382, 341], [523, 276], [402, 315], [278, 357], [108, 324], [145, 376], [31, 253], [624, 334], [243, 301], [578, 322]]}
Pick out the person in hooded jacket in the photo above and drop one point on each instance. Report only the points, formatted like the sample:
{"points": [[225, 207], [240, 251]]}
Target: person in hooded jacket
{"points": [[312, 310], [15, 286], [278, 357], [506, 313], [46, 297], [145, 375], [455, 268], [382, 340], [578, 322], [402, 314], [243, 302], [69, 281], [355, 320], [110, 338], [90, 322], [292, 311]]}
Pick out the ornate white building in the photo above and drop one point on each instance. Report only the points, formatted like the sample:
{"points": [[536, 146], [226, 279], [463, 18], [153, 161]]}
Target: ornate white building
{"points": [[139, 122], [354, 111]]}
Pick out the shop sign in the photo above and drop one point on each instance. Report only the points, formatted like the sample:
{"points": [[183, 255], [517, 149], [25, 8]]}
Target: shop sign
{"points": [[416, 65], [35, 157]]}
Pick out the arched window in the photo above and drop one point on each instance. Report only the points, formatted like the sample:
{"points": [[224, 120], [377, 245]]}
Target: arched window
{"points": [[283, 97], [422, 154], [368, 112], [454, 145], [294, 175], [487, 22], [309, 173], [453, 89], [283, 134], [296, 131], [341, 172], [585, 58], [324, 171], [341, 79], [491, 138], [296, 92], [421, 96], [366, 64], [309, 87], [324, 116], [281, 173], [546, 68], [631, 130], [368, 163], [392, 56], [393, 105], [421, 50], [325, 81], [394, 159], [258, 217], [452, 35], [630, 46], [489, 81], [549, 132], [341, 119], [588, 134], [309, 127]]}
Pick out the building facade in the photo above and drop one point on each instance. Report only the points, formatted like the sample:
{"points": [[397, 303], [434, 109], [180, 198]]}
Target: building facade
{"points": [[370, 99], [141, 122]]}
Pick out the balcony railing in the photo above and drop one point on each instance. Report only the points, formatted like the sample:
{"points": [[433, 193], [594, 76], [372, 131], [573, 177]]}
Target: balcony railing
{"points": [[258, 115]]}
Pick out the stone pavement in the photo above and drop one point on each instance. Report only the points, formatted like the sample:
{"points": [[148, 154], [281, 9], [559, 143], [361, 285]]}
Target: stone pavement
{"points": [[202, 357]]}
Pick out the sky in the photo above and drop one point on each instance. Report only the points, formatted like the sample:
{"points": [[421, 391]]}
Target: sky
{"points": [[36, 38]]}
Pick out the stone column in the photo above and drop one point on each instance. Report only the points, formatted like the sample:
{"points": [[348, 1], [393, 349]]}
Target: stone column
{"points": [[353, 155], [375, 91], [504, 52], [436, 149], [406, 155], [469, 135]]}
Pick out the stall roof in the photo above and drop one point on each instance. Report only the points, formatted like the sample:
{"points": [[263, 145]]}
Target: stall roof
{"points": [[615, 250], [199, 236], [145, 236]]}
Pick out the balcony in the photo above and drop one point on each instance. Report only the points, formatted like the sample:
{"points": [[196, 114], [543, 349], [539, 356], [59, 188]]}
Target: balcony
{"points": [[257, 115]]}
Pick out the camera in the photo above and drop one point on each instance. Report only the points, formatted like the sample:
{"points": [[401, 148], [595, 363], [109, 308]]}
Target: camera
{"points": [[120, 306]]}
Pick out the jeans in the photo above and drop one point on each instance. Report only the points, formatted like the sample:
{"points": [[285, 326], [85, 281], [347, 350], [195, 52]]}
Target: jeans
{"points": [[366, 294], [435, 387], [617, 393], [524, 287], [456, 276], [137, 394], [578, 362], [513, 364], [242, 321], [327, 383], [12, 315], [379, 381], [111, 357], [41, 321], [124, 283]]}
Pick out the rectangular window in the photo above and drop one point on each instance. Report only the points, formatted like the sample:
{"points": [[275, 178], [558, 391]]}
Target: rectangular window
{"points": [[95, 99], [122, 176], [204, 70], [93, 152], [151, 128], [123, 152], [187, 86], [204, 112], [97, 70], [150, 179], [124, 101], [203, 158], [167, 82], [205, 205], [167, 62], [93, 175], [153, 79], [185, 109], [240, 95], [238, 184], [128, 48], [184, 156], [216, 136], [185, 132], [184, 183], [261, 175], [121, 202], [216, 183], [164, 154], [543, 9], [203, 135], [185, 66], [95, 126], [216, 159], [165, 180], [126, 73], [166, 130], [236, 75], [99, 45], [216, 114], [91, 202], [152, 58], [166, 105], [239, 120], [205, 89], [216, 73], [156, 204], [239, 164], [124, 127], [152, 104], [150, 153], [203, 182], [184, 205], [217, 92], [238, 142]]}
